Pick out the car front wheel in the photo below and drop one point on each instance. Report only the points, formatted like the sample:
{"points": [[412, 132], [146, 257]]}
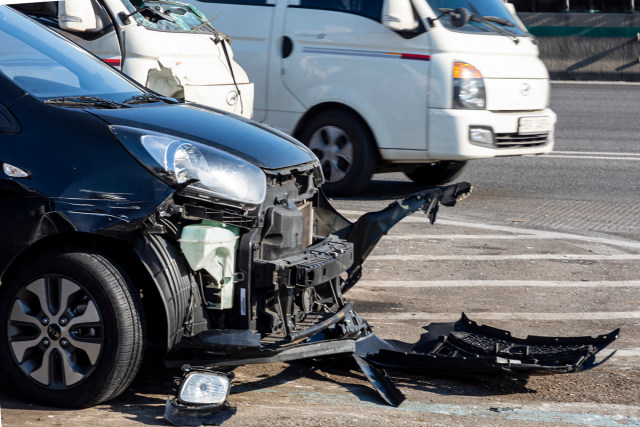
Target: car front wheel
{"points": [[72, 332]]}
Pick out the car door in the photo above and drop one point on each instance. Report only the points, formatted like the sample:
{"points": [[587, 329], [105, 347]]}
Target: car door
{"points": [[340, 52], [249, 24]]}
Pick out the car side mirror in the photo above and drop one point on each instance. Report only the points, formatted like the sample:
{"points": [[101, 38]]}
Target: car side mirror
{"points": [[397, 15], [76, 15]]}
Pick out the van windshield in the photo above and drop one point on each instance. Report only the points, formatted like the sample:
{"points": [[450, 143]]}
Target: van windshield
{"points": [[185, 16], [493, 8], [47, 65]]}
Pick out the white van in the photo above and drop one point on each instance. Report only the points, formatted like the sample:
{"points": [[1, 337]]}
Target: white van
{"points": [[167, 46], [392, 85]]}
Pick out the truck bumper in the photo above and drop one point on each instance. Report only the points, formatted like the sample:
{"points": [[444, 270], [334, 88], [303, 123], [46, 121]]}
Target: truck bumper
{"points": [[449, 139]]}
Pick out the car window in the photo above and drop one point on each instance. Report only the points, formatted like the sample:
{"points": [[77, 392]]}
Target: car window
{"points": [[369, 8], [46, 65], [185, 16], [494, 8]]}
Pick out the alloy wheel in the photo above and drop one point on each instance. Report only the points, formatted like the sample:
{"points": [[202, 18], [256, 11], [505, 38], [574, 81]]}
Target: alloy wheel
{"points": [[55, 332], [334, 150]]}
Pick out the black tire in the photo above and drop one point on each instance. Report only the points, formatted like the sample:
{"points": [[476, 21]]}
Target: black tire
{"points": [[438, 173], [97, 375], [354, 178]]}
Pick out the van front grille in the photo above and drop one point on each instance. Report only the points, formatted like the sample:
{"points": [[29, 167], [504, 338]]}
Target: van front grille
{"points": [[306, 208], [513, 140]]}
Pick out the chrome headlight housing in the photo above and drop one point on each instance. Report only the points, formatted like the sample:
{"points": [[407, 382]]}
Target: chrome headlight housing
{"points": [[468, 87], [203, 169]]}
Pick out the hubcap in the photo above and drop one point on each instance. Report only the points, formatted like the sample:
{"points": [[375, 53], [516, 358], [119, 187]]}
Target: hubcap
{"points": [[334, 150], [56, 354]]}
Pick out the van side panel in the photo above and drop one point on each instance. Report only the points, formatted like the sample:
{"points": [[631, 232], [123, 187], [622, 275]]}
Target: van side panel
{"points": [[351, 59]]}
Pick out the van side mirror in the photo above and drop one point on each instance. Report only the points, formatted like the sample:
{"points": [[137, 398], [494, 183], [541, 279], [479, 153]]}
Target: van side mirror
{"points": [[76, 15], [397, 15]]}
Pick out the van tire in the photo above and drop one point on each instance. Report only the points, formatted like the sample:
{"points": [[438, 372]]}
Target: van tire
{"points": [[437, 173], [115, 321], [320, 133]]}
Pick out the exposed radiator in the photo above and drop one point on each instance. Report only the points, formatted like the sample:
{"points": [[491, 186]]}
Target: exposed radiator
{"points": [[306, 208]]}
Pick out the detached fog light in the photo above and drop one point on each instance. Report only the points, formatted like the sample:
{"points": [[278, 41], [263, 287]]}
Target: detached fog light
{"points": [[204, 388], [201, 398], [481, 135]]}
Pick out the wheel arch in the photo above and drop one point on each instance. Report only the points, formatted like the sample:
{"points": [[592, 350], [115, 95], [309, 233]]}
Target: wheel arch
{"points": [[124, 255]]}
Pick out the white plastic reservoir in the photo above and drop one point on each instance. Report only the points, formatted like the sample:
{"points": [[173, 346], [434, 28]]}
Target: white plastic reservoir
{"points": [[212, 246]]}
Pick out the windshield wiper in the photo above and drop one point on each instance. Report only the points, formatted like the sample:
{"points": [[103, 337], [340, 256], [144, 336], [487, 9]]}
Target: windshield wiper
{"points": [[460, 16], [477, 17], [149, 97], [85, 101]]}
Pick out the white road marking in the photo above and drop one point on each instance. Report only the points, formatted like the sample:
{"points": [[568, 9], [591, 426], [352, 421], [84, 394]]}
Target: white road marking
{"points": [[448, 317], [597, 153], [591, 157], [620, 352], [506, 229], [496, 283], [463, 237], [615, 257]]}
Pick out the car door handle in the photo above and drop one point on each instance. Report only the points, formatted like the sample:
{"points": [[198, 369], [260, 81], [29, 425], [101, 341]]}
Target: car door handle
{"points": [[287, 46]]}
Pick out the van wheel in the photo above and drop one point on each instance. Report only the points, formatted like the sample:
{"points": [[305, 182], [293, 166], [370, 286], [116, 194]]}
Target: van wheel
{"points": [[346, 151], [437, 173], [72, 330]]}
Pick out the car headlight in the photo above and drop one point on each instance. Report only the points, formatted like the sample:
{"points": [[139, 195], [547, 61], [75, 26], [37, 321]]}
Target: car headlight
{"points": [[468, 87], [204, 169]]}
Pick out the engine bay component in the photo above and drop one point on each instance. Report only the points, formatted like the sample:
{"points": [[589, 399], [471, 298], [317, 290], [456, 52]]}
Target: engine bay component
{"points": [[212, 246]]}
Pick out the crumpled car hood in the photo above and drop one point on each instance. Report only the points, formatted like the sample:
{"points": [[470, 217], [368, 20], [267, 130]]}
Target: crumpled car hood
{"points": [[259, 144]]}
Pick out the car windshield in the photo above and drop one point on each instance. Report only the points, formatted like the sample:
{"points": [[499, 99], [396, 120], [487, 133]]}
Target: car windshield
{"points": [[493, 8], [185, 17], [46, 65]]}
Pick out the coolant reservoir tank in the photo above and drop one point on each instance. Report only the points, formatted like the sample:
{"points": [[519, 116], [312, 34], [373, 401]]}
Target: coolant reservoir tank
{"points": [[213, 246]]}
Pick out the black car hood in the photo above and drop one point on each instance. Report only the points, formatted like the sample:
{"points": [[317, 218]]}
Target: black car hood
{"points": [[249, 140]]}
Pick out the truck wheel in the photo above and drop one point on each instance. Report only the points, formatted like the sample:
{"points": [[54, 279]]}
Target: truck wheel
{"points": [[437, 173], [72, 330], [346, 151]]}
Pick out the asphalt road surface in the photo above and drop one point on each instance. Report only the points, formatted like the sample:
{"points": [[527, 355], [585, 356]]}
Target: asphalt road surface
{"points": [[545, 245]]}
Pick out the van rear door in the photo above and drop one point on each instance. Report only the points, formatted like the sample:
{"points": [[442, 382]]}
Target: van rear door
{"points": [[340, 52]]}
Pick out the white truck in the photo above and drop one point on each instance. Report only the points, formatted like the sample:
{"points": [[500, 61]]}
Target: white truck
{"points": [[167, 46], [418, 86]]}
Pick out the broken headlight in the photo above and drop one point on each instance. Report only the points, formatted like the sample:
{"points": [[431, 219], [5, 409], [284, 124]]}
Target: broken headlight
{"points": [[201, 167]]}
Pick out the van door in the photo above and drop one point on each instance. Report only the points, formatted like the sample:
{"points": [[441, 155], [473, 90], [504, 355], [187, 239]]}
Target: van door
{"points": [[340, 52], [248, 23]]}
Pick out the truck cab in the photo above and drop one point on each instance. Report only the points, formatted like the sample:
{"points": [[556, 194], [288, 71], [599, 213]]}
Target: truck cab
{"points": [[393, 85], [167, 46]]}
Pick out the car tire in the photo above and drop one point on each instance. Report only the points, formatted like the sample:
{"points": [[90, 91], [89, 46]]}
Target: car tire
{"points": [[94, 332], [437, 173], [346, 150]]}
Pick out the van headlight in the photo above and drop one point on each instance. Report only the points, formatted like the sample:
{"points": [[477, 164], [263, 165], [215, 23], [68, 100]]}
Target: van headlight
{"points": [[468, 87], [202, 168]]}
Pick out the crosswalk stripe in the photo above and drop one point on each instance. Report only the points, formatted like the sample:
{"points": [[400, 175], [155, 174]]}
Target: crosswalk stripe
{"points": [[496, 283], [463, 237], [590, 157], [585, 257], [507, 229], [448, 317]]}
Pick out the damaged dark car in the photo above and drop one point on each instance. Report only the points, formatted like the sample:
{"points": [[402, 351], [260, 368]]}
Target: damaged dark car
{"points": [[128, 218]]}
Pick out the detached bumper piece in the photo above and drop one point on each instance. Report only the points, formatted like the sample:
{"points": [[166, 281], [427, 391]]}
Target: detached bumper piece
{"points": [[200, 398], [464, 347]]}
